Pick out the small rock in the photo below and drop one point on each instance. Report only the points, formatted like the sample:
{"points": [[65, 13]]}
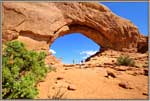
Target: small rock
{"points": [[66, 69], [71, 87], [52, 63], [59, 78], [145, 72], [111, 73], [145, 94], [125, 85]]}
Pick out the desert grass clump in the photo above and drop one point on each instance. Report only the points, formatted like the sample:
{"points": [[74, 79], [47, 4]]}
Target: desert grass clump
{"points": [[125, 61], [58, 95]]}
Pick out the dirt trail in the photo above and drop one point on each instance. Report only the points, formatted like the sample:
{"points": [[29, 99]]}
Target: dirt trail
{"points": [[95, 82]]}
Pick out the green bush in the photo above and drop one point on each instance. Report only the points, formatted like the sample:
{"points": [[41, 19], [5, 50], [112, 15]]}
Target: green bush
{"points": [[21, 71], [125, 61]]}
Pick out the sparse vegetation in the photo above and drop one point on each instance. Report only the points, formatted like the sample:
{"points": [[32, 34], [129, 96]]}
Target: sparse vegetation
{"points": [[21, 71], [125, 60], [59, 94]]}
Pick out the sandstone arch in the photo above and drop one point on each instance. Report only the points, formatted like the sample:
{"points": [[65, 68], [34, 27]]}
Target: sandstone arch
{"points": [[39, 24]]}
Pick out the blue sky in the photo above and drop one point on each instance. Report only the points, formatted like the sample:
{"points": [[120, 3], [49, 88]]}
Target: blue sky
{"points": [[136, 12], [77, 47], [73, 47]]}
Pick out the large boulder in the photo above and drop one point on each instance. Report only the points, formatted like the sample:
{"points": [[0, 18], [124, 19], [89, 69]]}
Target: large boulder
{"points": [[38, 24]]}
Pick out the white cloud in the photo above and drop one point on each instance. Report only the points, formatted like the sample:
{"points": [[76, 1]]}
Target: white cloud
{"points": [[52, 51], [87, 53], [84, 57]]}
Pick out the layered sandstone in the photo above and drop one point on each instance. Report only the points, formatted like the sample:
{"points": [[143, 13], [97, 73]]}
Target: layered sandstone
{"points": [[39, 24]]}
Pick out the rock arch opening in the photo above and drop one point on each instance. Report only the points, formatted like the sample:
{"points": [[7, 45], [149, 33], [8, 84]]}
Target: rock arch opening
{"points": [[89, 32], [74, 48]]}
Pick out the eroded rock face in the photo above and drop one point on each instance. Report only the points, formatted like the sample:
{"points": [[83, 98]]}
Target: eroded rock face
{"points": [[143, 44], [39, 24]]}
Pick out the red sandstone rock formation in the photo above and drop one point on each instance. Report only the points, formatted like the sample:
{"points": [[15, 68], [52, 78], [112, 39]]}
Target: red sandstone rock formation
{"points": [[39, 24]]}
